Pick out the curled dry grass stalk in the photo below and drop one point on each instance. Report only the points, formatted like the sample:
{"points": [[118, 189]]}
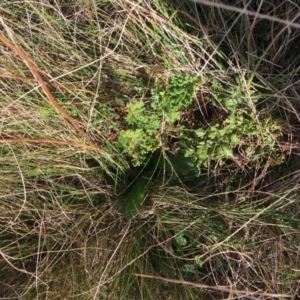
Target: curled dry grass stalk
{"points": [[232, 233]]}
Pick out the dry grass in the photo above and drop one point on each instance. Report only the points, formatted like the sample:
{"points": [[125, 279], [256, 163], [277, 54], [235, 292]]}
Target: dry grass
{"points": [[68, 69]]}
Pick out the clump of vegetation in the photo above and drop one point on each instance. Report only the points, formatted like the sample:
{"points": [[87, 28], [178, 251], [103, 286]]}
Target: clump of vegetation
{"points": [[151, 123], [149, 150], [239, 125]]}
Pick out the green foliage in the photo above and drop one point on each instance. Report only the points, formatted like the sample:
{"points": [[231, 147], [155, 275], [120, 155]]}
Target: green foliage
{"points": [[237, 125], [219, 141], [181, 240], [135, 198], [147, 122], [240, 127], [178, 95], [142, 137]]}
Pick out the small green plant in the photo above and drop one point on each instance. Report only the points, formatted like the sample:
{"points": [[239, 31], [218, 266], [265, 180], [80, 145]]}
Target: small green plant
{"points": [[256, 136], [148, 123], [142, 137], [181, 240], [237, 126]]}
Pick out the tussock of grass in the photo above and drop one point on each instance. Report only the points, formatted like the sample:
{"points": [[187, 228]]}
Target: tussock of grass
{"points": [[230, 231]]}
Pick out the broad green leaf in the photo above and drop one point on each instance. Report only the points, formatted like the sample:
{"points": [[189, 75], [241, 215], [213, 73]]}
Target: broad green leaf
{"points": [[135, 198]]}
